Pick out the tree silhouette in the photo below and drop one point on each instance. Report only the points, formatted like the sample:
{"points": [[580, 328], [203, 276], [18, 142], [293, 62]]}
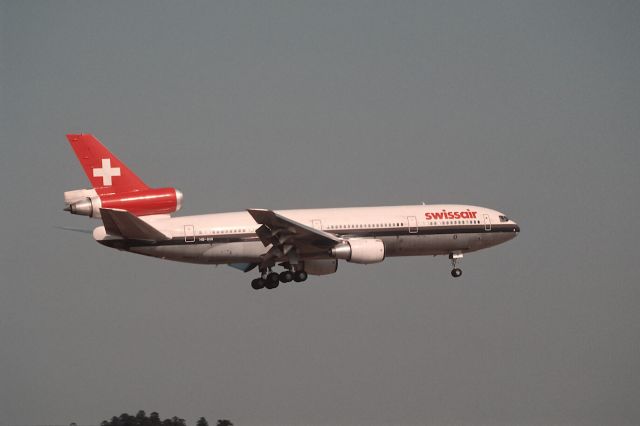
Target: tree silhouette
{"points": [[178, 422], [141, 419], [127, 420], [154, 419]]}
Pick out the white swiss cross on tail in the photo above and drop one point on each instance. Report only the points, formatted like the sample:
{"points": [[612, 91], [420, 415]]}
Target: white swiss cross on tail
{"points": [[106, 172]]}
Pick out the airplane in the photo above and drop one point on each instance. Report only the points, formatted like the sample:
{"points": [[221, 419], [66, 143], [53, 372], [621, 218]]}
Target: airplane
{"points": [[137, 218]]}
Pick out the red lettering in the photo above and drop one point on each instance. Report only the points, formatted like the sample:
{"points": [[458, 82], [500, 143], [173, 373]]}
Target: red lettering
{"points": [[451, 215]]}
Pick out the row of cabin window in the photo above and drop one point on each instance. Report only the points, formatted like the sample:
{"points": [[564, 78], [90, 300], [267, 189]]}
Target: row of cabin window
{"points": [[455, 222], [378, 225], [222, 231], [434, 223]]}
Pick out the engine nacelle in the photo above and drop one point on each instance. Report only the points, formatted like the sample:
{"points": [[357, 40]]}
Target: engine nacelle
{"points": [[320, 266], [140, 203], [360, 250]]}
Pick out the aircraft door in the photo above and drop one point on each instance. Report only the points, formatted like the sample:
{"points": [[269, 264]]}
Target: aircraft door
{"points": [[316, 223], [189, 234], [413, 225], [487, 222]]}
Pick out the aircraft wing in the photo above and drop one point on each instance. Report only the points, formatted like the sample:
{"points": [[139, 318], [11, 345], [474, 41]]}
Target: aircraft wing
{"points": [[285, 234]]}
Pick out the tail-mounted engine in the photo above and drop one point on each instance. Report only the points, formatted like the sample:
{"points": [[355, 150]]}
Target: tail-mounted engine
{"points": [[87, 202], [360, 250]]}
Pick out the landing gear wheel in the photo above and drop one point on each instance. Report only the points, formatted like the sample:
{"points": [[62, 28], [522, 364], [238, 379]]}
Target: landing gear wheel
{"points": [[455, 257], [286, 276], [300, 276], [257, 283], [272, 280]]}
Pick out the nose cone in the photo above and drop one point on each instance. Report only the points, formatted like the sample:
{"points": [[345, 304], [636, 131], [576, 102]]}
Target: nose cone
{"points": [[516, 228]]}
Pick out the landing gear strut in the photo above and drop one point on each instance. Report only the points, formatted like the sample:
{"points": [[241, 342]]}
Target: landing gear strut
{"points": [[455, 272]]}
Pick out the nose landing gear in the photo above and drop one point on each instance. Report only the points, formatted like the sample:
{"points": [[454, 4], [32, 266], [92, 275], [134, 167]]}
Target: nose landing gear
{"points": [[455, 272]]}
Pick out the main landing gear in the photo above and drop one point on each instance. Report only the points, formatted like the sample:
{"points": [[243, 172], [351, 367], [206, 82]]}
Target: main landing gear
{"points": [[455, 272], [272, 280]]}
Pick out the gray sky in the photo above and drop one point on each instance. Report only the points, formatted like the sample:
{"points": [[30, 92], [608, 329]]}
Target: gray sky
{"points": [[532, 108]]}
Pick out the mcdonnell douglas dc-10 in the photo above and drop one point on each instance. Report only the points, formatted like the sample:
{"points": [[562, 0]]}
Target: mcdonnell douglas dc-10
{"points": [[137, 219]]}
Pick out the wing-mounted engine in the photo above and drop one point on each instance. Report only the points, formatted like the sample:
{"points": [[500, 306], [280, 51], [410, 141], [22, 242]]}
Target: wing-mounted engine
{"points": [[360, 250], [87, 202], [321, 266]]}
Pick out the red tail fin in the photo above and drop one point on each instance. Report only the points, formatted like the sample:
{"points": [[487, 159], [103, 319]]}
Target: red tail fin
{"points": [[107, 174]]}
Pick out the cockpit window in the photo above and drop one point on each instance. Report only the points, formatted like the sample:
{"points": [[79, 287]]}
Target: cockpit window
{"points": [[504, 219]]}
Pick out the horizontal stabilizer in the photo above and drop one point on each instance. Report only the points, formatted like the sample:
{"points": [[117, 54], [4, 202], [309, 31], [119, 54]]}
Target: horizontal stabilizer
{"points": [[125, 224]]}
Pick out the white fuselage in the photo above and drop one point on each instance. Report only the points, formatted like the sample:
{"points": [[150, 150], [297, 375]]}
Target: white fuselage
{"points": [[224, 238]]}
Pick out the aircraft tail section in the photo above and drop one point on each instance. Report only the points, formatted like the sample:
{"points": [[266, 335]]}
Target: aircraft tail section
{"points": [[114, 185], [123, 224], [106, 172]]}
